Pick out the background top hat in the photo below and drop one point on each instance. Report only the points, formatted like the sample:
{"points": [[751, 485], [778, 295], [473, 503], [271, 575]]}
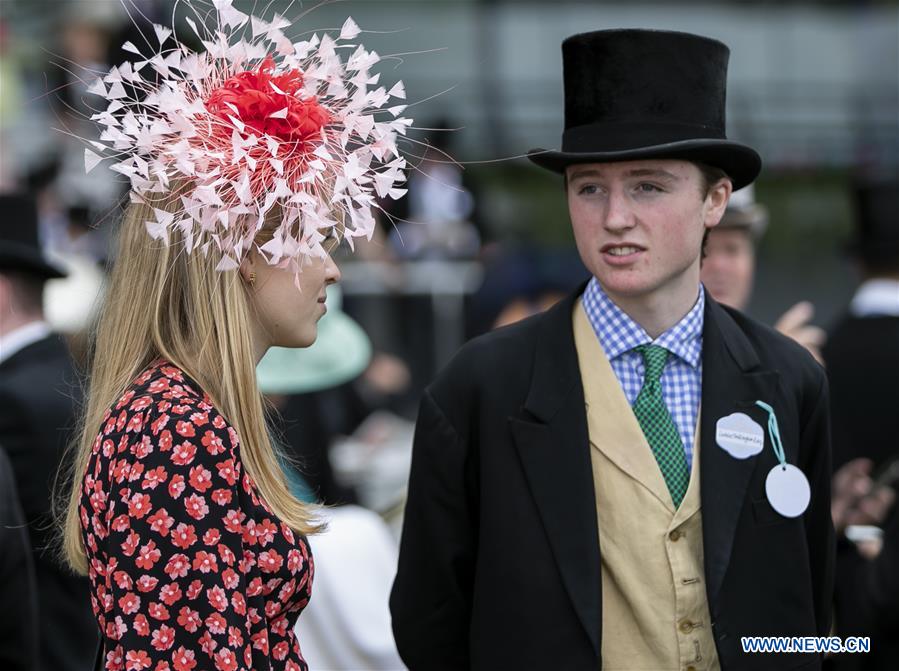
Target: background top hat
{"points": [[876, 238], [19, 246], [744, 213], [636, 94]]}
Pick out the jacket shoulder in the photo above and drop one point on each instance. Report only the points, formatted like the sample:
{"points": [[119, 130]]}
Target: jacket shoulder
{"points": [[780, 353], [501, 360], [499, 348]]}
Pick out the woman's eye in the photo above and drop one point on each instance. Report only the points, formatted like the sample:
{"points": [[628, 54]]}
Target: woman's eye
{"points": [[331, 241]]}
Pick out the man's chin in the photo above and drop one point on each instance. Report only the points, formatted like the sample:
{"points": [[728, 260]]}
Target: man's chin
{"points": [[629, 288]]}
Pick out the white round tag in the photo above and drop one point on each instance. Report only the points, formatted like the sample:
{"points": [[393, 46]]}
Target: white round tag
{"points": [[787, 490]]}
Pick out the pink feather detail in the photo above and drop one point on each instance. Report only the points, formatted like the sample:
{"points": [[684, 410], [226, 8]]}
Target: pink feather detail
{"points": [[250, 124]]}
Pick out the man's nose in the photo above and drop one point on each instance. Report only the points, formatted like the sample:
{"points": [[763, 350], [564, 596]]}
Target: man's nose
{"points": [[619, 215]]}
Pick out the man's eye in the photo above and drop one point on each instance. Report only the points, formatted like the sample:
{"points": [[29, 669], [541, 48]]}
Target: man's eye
{"points": [[588, 189], [646, 187]]}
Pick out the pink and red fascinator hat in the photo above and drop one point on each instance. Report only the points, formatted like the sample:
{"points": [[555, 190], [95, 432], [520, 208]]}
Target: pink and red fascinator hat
{"points": [[254, 122]]}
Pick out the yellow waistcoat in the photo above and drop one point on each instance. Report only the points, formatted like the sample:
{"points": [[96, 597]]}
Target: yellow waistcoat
{"points": [[655, 613]]}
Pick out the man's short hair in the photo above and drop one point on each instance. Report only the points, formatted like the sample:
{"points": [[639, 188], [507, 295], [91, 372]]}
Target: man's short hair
{"points": [[711, 175]]}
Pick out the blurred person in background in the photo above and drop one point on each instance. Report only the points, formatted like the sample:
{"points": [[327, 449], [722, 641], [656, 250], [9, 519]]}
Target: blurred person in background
{"points": [[18, 592], [729, 264], [862, 352], [862, 358], [437, 219], [558, 514], [61, 100], [867, 594], [74, 241], [39, 395], [520, 280], [11, 104]]}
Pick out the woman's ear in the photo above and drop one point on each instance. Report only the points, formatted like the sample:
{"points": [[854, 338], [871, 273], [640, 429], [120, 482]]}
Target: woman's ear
{"points": [[248, 270]]}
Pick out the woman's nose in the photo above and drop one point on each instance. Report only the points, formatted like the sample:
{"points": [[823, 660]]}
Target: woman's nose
{"points": [[332, 272]]}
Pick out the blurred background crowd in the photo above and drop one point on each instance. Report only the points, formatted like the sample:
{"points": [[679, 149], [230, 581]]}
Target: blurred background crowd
{"points": [[481, 240]]}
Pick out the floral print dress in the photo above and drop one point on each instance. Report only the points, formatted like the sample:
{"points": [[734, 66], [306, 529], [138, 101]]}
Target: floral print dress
{"points": [[189, 568]]}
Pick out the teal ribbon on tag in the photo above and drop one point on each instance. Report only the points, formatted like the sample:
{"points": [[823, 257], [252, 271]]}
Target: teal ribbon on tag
{"points": [[774, 432]]}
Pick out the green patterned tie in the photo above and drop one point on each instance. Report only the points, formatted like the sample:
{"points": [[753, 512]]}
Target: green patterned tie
{"points": [[658, 426]]}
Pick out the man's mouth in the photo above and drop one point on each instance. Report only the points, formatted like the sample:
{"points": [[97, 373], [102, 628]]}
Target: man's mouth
{"points": [[621, 249]]}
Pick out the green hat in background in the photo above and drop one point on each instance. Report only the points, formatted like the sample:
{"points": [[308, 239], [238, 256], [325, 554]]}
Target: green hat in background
{"points": [[341, 352]]}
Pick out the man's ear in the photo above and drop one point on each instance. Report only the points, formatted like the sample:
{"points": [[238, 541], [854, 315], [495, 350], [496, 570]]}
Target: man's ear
{"points": [[716, 201]]}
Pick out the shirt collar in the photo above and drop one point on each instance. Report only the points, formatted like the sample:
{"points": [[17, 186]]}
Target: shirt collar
{"points": [[618, 333], [22, 337], [876, 297]]}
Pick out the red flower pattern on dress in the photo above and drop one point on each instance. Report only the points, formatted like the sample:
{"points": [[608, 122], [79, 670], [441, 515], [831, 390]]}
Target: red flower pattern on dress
{"points": [[190, 569]]}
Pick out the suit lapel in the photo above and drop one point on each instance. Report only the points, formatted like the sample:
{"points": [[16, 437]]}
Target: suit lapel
{"points": [[611, 424], [37, 350], [732, 380], [552, 443]]}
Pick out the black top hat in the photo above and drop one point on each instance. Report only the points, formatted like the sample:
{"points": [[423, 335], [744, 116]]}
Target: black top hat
{"points": [[634, 94], [876, 238], [19, 247]]}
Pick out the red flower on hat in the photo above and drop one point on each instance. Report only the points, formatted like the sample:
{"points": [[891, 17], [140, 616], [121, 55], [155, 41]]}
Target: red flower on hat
{"points": [[270, 104]]}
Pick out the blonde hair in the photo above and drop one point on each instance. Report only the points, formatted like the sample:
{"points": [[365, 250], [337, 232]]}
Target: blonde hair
{"points": [[164, 302]]}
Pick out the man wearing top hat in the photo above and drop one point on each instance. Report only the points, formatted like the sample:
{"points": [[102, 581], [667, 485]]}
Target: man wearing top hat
{"points": [[862, 355], [862, 351], [597, 486], [38, 397]]}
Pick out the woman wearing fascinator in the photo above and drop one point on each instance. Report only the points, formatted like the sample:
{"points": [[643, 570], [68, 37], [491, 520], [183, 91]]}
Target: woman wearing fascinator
{"points": [[248, 164]]}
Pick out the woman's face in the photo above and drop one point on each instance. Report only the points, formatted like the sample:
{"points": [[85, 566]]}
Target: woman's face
{"points": [[287, 316]]}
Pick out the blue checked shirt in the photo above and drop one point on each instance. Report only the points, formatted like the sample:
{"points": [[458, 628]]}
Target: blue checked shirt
{"points": [[682, 377]]}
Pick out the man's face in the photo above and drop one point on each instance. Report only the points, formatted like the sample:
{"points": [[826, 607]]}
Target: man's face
{"points": [[639, 226], [729, 266]]}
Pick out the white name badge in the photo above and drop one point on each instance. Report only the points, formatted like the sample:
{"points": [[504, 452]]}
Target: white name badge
{"points": [[739, 435], [787, 490]]}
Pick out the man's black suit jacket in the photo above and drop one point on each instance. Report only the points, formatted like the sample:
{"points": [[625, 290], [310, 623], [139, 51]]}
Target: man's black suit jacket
{"points": [[38, 399], [500, 563], [18, 593], [862, 358]]}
